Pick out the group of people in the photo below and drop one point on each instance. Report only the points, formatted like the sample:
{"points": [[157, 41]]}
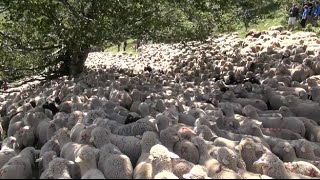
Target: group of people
{"points": [[308, 12]]}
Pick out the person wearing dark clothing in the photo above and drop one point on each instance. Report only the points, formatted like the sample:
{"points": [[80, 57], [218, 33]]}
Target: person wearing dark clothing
{"points": [[316, 13], [304, 16], [125, 46], [293, 15]]}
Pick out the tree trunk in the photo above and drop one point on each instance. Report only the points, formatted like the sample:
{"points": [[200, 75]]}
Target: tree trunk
{"points": [[73, 63], [77, 63]]}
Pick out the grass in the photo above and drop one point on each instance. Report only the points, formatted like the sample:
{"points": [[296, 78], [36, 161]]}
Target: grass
{"points": [[279, 17]]}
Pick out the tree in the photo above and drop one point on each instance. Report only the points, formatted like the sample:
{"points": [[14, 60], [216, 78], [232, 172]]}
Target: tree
{"points": [[37, 34], [248, 11]]}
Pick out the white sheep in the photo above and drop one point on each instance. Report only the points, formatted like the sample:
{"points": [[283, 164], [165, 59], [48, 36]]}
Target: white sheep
{"points": [[165, 175], [58, 169], [160, 159], [197, 172], [87, 159]]}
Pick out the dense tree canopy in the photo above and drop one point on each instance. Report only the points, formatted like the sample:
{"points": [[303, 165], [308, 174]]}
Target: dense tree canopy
{"points": [[35, 34]]}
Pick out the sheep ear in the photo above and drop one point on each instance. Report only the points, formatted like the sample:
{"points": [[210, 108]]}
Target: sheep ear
{"points": [[173, 155], [225, 161], [201, 135], [38, 160], [91, 140], [37, 151], [139, 143], [186, 176], [97, 151], [77, 160], [286, 149], [70, 162]]}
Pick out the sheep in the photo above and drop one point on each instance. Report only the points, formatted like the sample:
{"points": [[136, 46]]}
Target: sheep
{"points": [[305, 149], [312, 132], [197, 172], [169, 137], [74, 118], [186, 150], [9, 143], [132, 117], [5, 155], [92, 115], [223, 142], [21, 163], [272, 166], [114, 164], [24, 137], [163, 121], [184, 132], [93, 174], [14, 127], [303, 168], [205, 132], [76, 130], [160, 159], [215, 169], [138, 127], [51, 106], [45, 159], [290, 123], [249, 152], [181, 166], [58, 169], [230, 159], [237, 137], [128, 145], [85, 135], [143, 169], [45, 130], [165, 175], [51, 145], [87, 159]]}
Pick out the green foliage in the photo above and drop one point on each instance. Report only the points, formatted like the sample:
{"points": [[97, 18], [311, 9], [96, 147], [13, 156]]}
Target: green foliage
{"points": [[35, 34]]}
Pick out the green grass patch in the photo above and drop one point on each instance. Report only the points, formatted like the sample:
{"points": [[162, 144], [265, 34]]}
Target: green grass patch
{"points": [[277, 18]]}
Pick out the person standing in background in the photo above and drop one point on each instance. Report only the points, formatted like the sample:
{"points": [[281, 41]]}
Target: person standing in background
{"points": [[293, 15], [316, 13], [304, 16]]}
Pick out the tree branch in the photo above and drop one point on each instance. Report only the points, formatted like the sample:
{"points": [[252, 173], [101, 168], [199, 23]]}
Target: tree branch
{"points": [[73, 10], [25, 48]]}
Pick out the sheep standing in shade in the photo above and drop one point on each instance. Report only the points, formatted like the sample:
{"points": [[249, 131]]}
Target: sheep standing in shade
{"points": [[113, 163]]}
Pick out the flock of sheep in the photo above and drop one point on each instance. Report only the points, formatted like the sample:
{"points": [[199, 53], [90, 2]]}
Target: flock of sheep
{"points": [[224, 108]]}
